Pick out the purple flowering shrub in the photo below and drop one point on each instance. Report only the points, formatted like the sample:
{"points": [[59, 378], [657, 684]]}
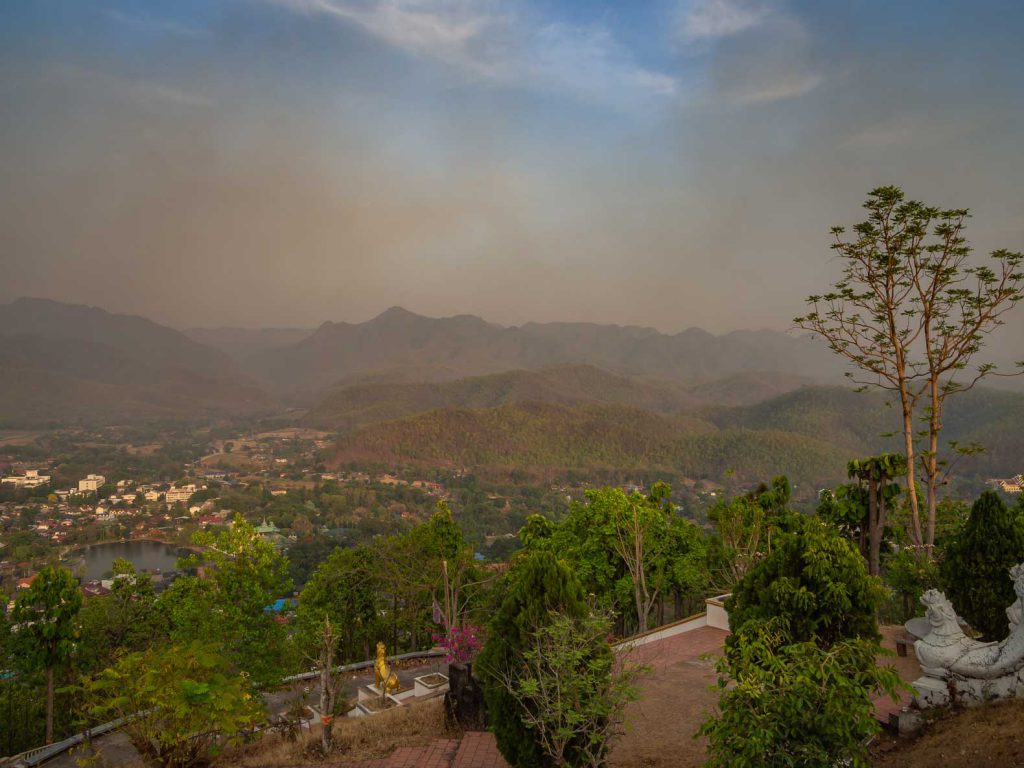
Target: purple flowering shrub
{"points": [[460, 644]]}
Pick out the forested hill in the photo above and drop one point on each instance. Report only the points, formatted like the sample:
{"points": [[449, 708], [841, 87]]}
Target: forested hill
{"points": [[366, 403], [808, 434], [549, 441], [857, 422]]}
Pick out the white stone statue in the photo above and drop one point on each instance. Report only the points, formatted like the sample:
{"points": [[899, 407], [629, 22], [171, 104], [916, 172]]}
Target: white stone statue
{"points": [[954, 665], [1016, 611]]}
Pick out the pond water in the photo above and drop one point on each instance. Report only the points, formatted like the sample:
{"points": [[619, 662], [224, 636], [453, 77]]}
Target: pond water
{"points": [[99, 558]]}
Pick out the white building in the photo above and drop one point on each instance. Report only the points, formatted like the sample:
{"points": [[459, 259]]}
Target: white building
{"points": [[31, 479], [183, 494], [91, 483]]}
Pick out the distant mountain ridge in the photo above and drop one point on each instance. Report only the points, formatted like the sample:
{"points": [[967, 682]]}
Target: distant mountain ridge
{"points": [[240, 343], [443, 349], [62, 363]]}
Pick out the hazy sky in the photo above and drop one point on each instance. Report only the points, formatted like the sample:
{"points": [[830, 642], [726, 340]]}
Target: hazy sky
{"points": [[667, 163]]}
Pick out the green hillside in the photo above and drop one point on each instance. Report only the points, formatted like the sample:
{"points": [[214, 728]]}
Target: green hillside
{"points": [[857, 422], [370, 402], [549, 440], [808, 434]]}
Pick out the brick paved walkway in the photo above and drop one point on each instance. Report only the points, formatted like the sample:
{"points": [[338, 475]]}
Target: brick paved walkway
{"points": [[478, 750]]}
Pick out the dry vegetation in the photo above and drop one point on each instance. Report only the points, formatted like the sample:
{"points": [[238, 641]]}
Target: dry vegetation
{"points": [[355, 738], [980, 737]]}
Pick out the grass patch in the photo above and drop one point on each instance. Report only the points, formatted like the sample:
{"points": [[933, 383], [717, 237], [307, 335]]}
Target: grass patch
{"points": [[355, 738]]}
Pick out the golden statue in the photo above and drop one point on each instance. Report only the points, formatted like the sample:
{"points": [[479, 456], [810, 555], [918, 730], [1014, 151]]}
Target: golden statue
{"points": [[385, 679]]}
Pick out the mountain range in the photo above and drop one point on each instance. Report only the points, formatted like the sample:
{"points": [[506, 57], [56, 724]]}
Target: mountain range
{"points": [[459, 391], [408, 347]]}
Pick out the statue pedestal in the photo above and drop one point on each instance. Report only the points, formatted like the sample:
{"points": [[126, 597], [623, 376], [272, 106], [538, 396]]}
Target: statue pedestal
{"points": [[930, 692]]}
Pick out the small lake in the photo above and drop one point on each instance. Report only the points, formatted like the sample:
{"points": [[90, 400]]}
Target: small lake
{"points": [[99, 558]]}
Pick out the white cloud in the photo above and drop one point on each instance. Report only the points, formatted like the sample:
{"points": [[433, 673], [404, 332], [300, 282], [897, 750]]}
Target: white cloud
{"points": [[154, 25], [779, 87], [489, 41], [590, 62], [763, 52], [447, 30], [710, 20]]}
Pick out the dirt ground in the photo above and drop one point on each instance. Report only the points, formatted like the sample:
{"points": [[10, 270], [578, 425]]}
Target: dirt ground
{"points": [[981, 737], [678, 695]]}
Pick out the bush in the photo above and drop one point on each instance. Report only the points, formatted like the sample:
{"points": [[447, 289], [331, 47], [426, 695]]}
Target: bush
{"points": [[975, 570], [540, 586], [571, 692], [796, 705], [816, 581], [184, 702]]}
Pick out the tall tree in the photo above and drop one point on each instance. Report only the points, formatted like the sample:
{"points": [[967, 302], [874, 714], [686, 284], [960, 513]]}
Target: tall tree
{"points": [[46, 615], [345, 589], [910, 312], [126, 620], [744, 530]]}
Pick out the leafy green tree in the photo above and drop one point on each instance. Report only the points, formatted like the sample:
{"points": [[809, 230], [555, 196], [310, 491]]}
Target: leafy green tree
{"points": [[790, 704], [536, 533], [816, 581], [570, 690], [743, 531], [126, 620], [910, 312], [630, 551], [975, 570], [345, 589], [185, 702], [541, 585], [243, 576], [46, 619]]}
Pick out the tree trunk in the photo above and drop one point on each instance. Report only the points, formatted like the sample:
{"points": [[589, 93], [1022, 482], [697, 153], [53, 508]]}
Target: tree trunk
{"points": [[932, 464], [908, 445], [49, 705]]}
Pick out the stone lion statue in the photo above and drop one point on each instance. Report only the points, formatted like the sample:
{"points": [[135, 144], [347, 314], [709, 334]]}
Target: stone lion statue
{"points": [[385, 679]]}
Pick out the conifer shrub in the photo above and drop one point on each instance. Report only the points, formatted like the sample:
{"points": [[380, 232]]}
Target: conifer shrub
{"points": [[540, 588], [975, 569]]}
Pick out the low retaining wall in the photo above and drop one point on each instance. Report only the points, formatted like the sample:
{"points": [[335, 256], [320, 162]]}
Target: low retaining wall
{"points": [[714, 616]]}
